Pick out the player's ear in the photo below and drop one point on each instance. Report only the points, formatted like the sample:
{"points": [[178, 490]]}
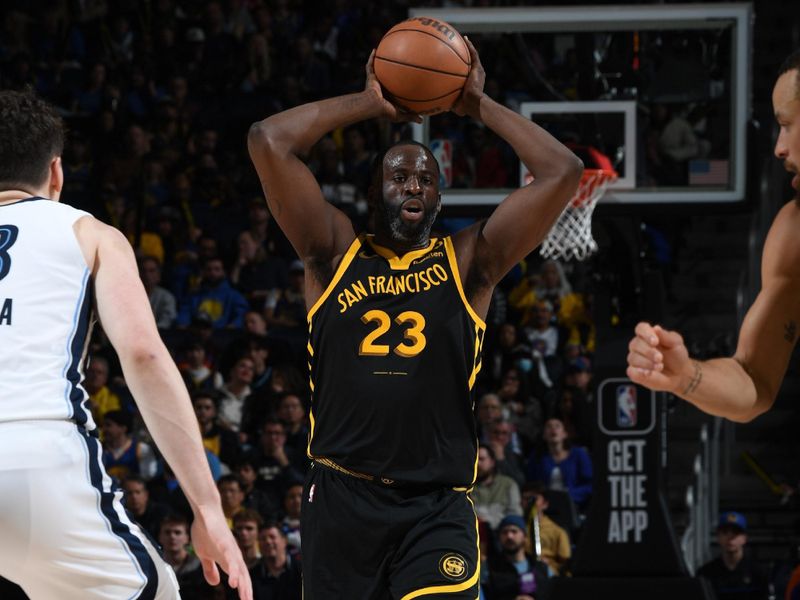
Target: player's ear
{"points": [[56, 178]]}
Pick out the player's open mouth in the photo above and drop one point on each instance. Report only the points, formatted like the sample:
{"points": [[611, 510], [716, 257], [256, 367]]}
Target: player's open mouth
{"points": [[412, 210]]}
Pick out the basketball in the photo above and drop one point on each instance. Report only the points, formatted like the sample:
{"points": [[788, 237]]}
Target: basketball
{"points": [[423, 64]]}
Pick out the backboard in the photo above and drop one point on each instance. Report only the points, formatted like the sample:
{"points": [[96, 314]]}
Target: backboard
{"points": [[663, 90]]}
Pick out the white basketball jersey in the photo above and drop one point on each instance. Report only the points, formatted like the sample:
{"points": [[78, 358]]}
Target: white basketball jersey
{"points": [[45, 313]]}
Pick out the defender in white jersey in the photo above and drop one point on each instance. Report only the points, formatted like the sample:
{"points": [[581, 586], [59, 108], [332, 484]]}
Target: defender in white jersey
{"points": [[63, 532]]}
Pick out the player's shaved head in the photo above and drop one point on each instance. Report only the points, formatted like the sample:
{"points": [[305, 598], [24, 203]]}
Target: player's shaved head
{"points": [[792, 63]]}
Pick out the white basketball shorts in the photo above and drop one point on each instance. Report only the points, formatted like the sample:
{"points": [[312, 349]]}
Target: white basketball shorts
{"points": [[63, 532]]}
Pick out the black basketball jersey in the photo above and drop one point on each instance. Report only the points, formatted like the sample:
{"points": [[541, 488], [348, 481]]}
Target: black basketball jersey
{"points": [[394, 349]]}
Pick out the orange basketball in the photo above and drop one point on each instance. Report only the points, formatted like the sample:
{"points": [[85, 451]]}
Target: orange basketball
{"points": [[423, 64]]}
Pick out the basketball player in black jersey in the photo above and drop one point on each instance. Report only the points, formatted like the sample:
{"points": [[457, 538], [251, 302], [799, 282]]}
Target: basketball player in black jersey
{"points": [[395, 333]]}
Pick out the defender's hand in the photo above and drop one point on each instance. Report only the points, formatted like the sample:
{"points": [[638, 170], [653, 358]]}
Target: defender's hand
{"points": [[388, 109], [658, 359], [469, 102], [214, 545]]}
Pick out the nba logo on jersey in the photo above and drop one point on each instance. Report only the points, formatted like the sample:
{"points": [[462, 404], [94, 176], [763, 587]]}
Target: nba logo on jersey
{"points": [[442, 151], [626, 406]]}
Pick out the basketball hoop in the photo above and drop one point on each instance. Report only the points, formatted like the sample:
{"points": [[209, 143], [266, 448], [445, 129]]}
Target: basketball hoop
{"points": [[571, 235]]}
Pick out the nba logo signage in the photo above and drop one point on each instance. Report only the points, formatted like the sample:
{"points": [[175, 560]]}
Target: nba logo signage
{"points": [[626, 406], [627, 418], [443, 152]]}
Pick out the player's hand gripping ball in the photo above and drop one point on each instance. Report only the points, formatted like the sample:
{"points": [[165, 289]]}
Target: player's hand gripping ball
{"points": [[423, 64]]}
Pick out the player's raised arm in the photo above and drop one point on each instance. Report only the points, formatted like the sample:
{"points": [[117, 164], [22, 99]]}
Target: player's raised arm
{"points": [[522, 220], [277, 144], [160, 394], [741, 387]]}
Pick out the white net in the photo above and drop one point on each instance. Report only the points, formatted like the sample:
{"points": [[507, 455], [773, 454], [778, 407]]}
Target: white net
{"points": [[571, 235]]}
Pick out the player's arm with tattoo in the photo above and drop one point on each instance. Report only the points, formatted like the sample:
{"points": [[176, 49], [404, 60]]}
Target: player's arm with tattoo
{"points": [[745, 385]]}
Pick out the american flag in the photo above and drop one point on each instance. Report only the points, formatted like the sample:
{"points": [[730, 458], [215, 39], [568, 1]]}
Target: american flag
{"points": [[708, 172]]}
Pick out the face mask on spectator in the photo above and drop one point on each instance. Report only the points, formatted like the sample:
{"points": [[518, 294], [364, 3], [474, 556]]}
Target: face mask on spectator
{"points": [[524, 364]]}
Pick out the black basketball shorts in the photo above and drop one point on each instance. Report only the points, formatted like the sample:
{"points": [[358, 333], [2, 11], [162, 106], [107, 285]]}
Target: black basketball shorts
{"points": [[364, 540]]}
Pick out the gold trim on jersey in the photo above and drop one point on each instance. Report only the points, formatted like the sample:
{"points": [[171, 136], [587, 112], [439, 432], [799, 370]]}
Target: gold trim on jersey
{"points": [[337, 467], [311, 386], [399, 263], [480, 325], [451, 257], [458, 587], [477, 361], [310, 432], [475, 467], [346, 260]]}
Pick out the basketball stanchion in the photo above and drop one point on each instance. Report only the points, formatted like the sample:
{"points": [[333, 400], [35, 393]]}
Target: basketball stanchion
{"points": [[571, 235]]}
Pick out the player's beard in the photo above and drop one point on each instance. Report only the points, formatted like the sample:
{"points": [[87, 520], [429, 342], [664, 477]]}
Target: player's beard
{"points": [[408, 233]]}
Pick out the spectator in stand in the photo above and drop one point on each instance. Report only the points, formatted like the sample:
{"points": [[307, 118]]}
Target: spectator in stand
{"points": [[290, 523], [161, 300], [145, 511], [246, 524], [231, 493], [173, 535], [575, 317], [554, 539], [259, 65], [277, 465], [553, 284], [574, 402], [288, 308], [541, 334], [101, 398], [501, 356], [579, 375], [264, 352], [489, 410], [278, 576], [215, 298], [286, 378], [218, 440], [254, 323], [196, 368], [292, 414], [503, 441], [268, 235], [734, 574], [254, 497], [123, 454], [234, 393], [562, 466], [513, 393], [514, 574], [256, 274], [495, 496], [519, 407], [174, 539]]}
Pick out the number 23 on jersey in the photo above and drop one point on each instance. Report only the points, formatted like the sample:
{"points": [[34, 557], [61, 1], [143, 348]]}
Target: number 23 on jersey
{"points": [[414, 339]]}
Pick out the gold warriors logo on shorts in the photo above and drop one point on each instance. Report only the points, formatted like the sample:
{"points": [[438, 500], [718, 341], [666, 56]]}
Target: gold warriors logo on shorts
{"points": [[453, 566]]}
